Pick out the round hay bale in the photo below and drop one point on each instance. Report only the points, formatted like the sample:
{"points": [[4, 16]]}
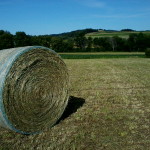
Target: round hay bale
{"points": [[33, 88]]}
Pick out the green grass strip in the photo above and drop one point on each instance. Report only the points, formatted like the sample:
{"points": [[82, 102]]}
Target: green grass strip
{"points": [[78, 56]]}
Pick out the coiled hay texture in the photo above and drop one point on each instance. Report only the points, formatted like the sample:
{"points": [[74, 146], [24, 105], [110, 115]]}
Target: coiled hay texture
{"points": [[33, 88]]}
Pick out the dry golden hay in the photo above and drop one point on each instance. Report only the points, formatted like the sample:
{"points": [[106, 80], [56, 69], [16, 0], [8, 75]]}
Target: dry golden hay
{"points": [[33, 88]]}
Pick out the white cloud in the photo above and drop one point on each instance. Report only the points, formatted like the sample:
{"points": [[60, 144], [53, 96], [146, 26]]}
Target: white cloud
{"points": [[120, 16]]}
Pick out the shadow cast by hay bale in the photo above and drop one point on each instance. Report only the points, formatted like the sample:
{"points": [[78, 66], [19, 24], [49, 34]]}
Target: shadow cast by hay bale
{"points": [[74, 103]]}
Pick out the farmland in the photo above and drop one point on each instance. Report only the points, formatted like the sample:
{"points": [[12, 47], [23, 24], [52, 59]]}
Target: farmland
{"points": [[109, 108], [121, 34], [97, 55]]}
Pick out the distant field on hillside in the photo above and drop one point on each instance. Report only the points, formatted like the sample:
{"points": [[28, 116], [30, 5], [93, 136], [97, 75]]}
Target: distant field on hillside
{"points": [[121, 34]]}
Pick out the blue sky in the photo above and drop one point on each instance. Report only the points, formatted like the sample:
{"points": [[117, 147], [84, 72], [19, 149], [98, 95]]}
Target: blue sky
{"points": [[37, 17]]}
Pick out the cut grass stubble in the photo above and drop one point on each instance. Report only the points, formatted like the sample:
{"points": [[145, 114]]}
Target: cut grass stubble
{"points": [[115, 114]]}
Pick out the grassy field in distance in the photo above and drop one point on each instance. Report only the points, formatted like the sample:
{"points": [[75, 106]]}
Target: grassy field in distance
{"points": [[121, 34], [112, 97], [97, 55], [103, 53]]}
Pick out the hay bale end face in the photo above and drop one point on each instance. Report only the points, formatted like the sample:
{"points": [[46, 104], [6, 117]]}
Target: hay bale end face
{"points": [[33, 88]]}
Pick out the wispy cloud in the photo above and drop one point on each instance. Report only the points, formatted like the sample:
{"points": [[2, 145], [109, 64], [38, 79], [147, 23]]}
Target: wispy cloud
{"points": [[119, 16], [92, 3]]}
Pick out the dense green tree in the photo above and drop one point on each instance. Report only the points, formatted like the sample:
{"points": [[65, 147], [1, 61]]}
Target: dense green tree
{"points": [[77, 41], [96, 42], [57, 44], [113, 43], [138, 42], [80, 42], [6, 40], [102, 44], [132, 40], [68, 45], [44, 40], [141, 42], [35, 40], [120, 43], [147, 52], [127, 30], [21, 39], [148, 41], [2, 32], [89, 44]]}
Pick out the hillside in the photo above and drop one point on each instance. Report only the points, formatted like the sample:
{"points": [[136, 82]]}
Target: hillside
{"points": [[109, 33], [78, 41], [89, 32], [75, 33]]}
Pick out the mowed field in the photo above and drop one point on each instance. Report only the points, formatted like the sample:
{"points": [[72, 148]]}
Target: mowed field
{"points": [[122, 34], [109, 109], [106, 55]]}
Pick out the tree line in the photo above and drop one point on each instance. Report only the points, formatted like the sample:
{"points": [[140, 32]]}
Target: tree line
{"points": [[77, 42]]}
